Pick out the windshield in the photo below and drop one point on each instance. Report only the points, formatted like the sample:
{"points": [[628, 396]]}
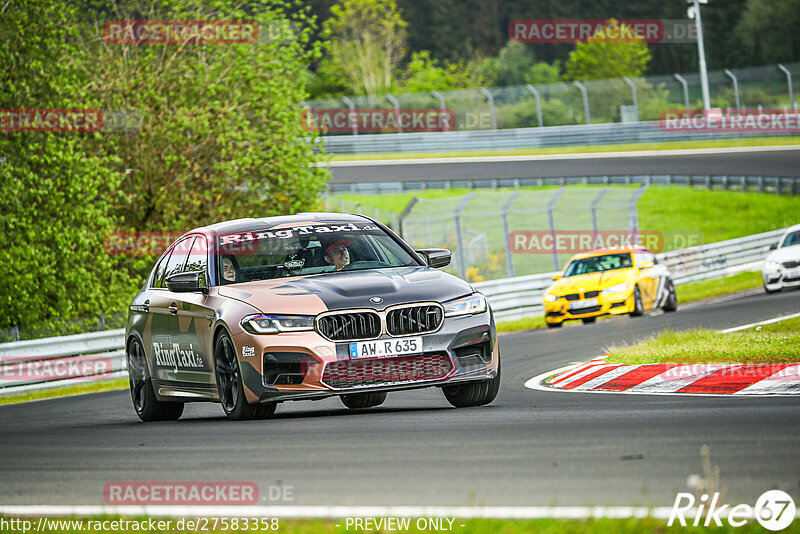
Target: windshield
{"points": [[791, 239], [307, 249], [594, 264]]}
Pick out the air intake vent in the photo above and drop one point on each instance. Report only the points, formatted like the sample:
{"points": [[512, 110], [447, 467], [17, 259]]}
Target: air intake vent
{"points": [[413, 320], [350, 326]]}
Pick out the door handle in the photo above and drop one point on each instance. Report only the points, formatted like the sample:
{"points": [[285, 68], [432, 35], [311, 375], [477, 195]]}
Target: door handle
{"points": [[173, 309]]}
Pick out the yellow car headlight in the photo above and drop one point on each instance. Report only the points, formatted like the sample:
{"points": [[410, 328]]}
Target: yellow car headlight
{"points": [[618, 288], [550, 298]]}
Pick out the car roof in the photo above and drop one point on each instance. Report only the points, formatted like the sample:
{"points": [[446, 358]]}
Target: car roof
{"points": [[252, 224], [604, 251]]}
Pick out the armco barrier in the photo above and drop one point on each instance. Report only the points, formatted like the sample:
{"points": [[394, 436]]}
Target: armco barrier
{"points": [[513, 138], [511, 298]]}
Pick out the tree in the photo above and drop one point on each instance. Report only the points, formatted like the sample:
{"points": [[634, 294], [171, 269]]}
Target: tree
{"points": [[600, 57], [367, 44], [57, 189], [768, 30], [425, 74], [516, 65]]}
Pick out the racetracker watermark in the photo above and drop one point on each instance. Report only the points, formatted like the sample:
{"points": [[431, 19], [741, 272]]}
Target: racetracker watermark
{"points": [[578, 241], [26, 369], [379, 120], [608, 31], [181, 493], [774, 510], [736, 121], [60, 120], [124, 243], [139, 32]]}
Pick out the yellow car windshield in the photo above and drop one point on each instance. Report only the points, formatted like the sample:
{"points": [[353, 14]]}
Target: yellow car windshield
{"points": [[595, 264]]}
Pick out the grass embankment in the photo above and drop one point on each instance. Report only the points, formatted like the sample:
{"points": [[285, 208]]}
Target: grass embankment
{"points": [[90, 387], [581, 149], [471, 526], [771, 343]]}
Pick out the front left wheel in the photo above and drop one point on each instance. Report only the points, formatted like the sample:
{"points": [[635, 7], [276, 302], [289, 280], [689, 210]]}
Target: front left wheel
{"points": [[231, 389], [473, 393], [147, 406]]}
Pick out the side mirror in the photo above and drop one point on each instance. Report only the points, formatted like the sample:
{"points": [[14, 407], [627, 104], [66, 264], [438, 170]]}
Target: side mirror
{"points": [[773, 246], [186, 282], [557, 277], [646, 264], [435, 257]]}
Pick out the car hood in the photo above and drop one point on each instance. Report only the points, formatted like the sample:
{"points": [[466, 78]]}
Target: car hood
{"points": [[314, 294], [785, 254], [590, 281]]}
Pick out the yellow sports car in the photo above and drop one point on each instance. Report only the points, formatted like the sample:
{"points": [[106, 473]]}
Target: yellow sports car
{"points": [[615, 281]]}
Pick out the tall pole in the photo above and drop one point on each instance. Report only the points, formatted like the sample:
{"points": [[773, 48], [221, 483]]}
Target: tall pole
{"points": [[694, 13], [788, 74]]}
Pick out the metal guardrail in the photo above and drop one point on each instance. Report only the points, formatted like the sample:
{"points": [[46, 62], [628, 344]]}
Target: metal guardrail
{"points": [[511, 298], [779, 185], [513, 138], [519, 297]]}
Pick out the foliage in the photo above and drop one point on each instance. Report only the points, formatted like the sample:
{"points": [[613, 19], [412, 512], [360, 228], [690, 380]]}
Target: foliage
{"points": [[600, 57], [516, 65], [768, 30], [425, 74], [367, 45], [57, 190]]}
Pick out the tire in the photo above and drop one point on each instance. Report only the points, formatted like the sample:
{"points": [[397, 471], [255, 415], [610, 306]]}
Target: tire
{"points": [[554, 325], [356, 401], [638, 308], [147, 406], [671, 304], [589, 320], [473, 393], [230, 387]]}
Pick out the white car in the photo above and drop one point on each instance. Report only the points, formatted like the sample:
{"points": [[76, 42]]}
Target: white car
{"points": [[782, 267]]}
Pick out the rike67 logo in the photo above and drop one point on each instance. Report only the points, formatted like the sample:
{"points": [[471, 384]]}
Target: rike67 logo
{"points": [[774, 510]]}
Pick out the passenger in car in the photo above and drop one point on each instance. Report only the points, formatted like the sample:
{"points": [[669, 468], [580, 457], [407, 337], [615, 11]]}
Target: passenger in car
{"points": [[337, 254]]}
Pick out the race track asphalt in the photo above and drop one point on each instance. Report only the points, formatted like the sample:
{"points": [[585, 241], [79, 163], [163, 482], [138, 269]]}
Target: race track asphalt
{"points": [[527, 448], [750, 163]]}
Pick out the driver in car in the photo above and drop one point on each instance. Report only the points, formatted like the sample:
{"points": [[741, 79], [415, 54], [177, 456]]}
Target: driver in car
{"points": [[337, 254]]}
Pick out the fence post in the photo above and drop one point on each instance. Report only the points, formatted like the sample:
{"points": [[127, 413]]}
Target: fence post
{"points": [[507, 233], [552, 222], [442, 107], [788, 74], [594, 204], [490, 100], [535, 92], [462, 260], [633, 94], [404, 214], [685, 85], [352, 117], [633, 223], [730, 75], [585, 95], [396, 106]]}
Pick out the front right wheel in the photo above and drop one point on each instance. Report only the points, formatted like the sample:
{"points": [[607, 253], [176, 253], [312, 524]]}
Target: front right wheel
{"points": [[473, 393], [638, 307]]}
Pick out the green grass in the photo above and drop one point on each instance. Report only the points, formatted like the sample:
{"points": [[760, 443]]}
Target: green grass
{"points": [[580, 149], [774, 343], [93, 387], [720, 286], [471, 526]]}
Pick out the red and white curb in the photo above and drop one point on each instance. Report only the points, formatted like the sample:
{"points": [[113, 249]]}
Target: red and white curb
{"points": [[699, 379]]}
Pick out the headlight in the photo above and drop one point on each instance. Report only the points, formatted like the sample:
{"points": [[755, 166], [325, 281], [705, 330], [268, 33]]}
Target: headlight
{"points": [[273, 324], [475, 303], [619, 288], [549, 298], [772, 265]]}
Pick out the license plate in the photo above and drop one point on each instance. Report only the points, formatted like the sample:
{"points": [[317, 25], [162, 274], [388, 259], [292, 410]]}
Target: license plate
{"points": [[386, 348], [577, 305]]}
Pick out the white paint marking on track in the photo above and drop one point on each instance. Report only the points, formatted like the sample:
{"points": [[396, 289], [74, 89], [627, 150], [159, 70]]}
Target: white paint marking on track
{"points": [[338, 512], [759, 323], [558, 157]]}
